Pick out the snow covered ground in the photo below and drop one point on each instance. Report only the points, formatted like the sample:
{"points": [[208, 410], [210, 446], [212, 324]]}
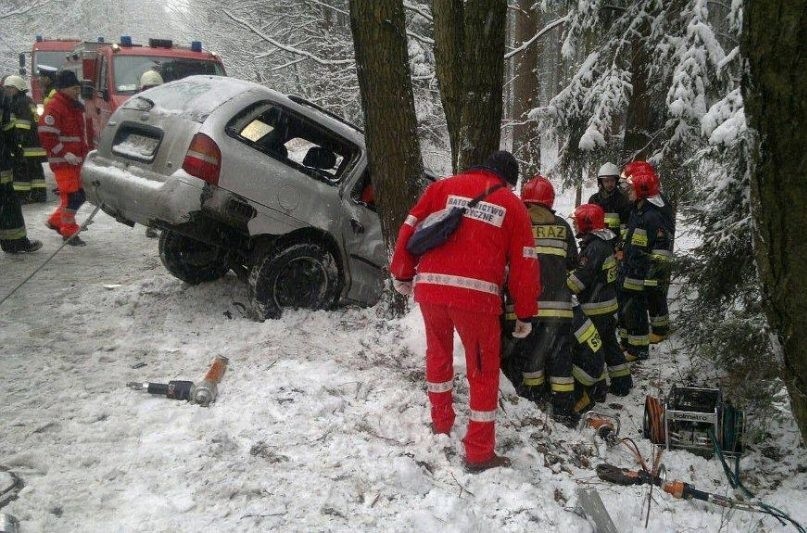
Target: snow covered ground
{"points": [[321, 424]]}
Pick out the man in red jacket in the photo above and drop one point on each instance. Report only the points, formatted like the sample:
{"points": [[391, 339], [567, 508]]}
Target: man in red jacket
{"points": [[61, 133], [459, 285]]}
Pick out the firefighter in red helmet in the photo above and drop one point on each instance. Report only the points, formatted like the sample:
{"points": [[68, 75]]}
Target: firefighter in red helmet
{"points": [[594, 281], [548, 348], [649, 239]]}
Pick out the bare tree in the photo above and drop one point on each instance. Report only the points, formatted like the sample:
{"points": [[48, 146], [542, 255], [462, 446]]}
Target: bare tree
{"points": [[379, 35], [774, 90]]}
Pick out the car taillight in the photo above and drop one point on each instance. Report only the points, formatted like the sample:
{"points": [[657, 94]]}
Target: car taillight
{"points": [[203, 159]]}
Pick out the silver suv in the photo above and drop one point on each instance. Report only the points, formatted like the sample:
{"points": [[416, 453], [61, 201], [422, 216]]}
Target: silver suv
{"points": [[241, 177]]}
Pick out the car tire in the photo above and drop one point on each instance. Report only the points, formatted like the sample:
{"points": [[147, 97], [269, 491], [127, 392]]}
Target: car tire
{"points": [[301, 275], [190, 260]]}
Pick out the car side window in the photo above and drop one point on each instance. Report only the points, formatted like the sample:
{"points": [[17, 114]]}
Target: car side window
{"points": [[294, 140]]}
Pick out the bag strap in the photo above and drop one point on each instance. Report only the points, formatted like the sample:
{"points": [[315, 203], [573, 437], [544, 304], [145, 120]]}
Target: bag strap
{"points": [[473, 203]]}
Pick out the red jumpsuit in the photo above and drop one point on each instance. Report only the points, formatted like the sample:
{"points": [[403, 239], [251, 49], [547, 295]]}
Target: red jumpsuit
{"points": [[61, 131], [459, 285]]}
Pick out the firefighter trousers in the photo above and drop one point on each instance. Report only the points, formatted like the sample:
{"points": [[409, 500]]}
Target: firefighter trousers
{"points": [[546, 356], [614, 358], [12, 224], [634, 329], [657, 309], [588, 362], [480, 336]]}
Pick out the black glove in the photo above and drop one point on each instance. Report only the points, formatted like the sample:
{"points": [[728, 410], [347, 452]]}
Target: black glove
{"points": [[621, 385]]}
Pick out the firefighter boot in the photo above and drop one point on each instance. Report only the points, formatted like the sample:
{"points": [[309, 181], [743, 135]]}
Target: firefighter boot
{"points": [[563, 409], [621, 386], [599, 391]]}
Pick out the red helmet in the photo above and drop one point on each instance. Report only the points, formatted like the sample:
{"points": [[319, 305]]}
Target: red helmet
{"points": [[637, 166], [539, 191], [588, 218], [645, 184]]}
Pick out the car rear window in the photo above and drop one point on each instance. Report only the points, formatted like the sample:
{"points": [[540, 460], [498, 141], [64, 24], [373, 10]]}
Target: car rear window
{"points": [[197, 96]]}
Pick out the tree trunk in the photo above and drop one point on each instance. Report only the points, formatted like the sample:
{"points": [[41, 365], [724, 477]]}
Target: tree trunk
{"points": [[449, 55], [385, 84], [526, 136], [480, 131], [775, 91]]}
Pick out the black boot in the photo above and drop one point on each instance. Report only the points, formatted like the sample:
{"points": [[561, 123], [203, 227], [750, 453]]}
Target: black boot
{"points": [[563, 409]]}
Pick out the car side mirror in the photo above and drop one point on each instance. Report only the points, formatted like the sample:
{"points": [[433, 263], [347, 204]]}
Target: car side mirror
{"points": [[87, 89]]}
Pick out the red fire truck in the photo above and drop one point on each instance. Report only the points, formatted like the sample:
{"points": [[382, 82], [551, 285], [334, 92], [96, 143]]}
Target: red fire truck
{"points": [[110, 72], [47, 54]]}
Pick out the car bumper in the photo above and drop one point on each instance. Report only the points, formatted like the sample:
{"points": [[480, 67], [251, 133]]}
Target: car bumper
{"points": [[136, 195]]}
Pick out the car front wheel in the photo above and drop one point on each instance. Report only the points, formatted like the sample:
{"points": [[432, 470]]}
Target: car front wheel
{"points": [[190, 260], [302, 275]]}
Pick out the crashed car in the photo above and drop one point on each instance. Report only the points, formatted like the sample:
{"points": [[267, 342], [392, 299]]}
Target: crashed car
{"points": [[238, 176]]}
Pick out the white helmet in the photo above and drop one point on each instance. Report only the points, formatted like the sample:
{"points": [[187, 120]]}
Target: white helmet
{"points": [[17, 82], [150, 78], [608, 169]]}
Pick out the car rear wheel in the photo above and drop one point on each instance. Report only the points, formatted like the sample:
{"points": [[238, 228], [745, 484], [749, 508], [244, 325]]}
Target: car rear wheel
{"points": [[302, 275], [190, 260]]}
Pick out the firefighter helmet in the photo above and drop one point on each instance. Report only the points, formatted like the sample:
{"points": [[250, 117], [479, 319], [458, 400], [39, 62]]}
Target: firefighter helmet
{"points": [[644, 184], [539, 191], [17, 82], [637, 166], [589, 217], [608, 169], [150, 78]]}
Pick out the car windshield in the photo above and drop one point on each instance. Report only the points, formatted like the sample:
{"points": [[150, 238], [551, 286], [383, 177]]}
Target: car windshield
{"points": [[128, 70]]}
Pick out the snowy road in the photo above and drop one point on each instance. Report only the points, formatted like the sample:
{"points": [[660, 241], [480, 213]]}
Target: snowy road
{"points": [[321, 423]]}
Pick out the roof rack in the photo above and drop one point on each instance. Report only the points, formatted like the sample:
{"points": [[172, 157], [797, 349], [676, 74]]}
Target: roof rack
{"points": [[302, 101]]}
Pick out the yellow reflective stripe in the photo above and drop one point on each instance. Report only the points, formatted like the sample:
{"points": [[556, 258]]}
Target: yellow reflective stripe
{"points": [[609, 263], [561, 384], [574, 284], [663, 320], [618, 371], [661, 255], [11, 234], [582, 376], [550, 251], [612, 220], [22, 186], [639, 340], [6, 176], [510, 316], [600, 308], [533, 379], [22, 124], [639, 237], [34, 152], [554, 313], [651, 283], [633, 284]]}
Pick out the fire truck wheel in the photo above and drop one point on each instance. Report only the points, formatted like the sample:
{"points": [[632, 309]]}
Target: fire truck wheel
{"points": [[190, 260], [300, 275]]}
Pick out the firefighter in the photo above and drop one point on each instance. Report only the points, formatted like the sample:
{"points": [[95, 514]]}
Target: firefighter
{"points": [[13, 236], [593, 281], [658, 283], [548, 349], [29, 178], [458, 286], [615, 204], [61, 131], [647, 231]]}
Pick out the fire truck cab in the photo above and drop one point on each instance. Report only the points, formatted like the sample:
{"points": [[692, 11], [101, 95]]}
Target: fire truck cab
{"points": [[50, 55], [110, 72]]}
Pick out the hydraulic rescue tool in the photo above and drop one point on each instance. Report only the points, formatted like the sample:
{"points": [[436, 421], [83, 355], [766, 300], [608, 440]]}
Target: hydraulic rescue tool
{"points": [[202, 393]]}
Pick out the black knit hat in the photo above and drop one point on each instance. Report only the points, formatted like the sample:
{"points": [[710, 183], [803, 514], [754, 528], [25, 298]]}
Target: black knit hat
{"points": [[504, 164], [65, 79]]}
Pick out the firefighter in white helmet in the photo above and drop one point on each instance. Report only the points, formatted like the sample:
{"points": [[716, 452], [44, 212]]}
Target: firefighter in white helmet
{"points": [[150, 78], [615, 204]]}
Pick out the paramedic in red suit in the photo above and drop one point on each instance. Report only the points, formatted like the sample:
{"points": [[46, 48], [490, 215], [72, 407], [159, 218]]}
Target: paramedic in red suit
{"points": [[61, 133], [459, 286]]}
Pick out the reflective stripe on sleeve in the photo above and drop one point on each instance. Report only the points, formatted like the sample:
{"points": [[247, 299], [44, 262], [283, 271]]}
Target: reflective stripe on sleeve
{"points": [[612, 220], [533, 379], [458, 281], [6, 176], [34, 152], [633, 284], [482, 416], [56, 160], [600, 308], [445, 386], [22, 124], [574, 284], [58, 148], [70, 138], [411, 220], [582, 376], [660, 254], [50, 129]]}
